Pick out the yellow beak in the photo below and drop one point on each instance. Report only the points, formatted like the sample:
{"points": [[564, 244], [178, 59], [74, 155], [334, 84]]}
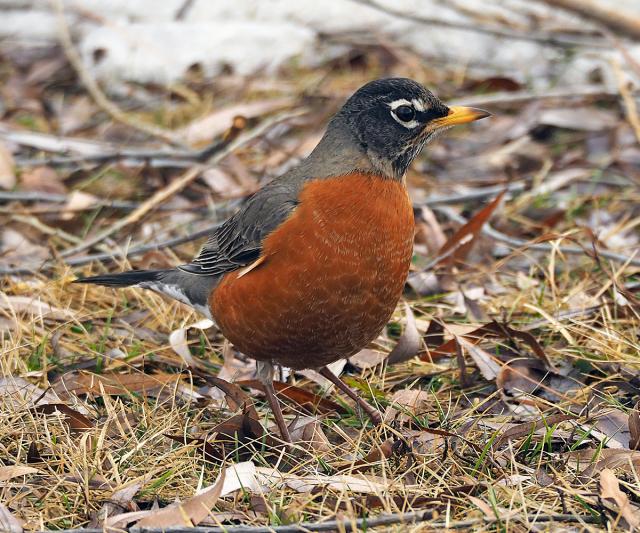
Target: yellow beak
{"points": [[459, 115]]}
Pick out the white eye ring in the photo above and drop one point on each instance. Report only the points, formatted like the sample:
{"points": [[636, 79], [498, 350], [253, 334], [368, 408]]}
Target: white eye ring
{"points": [[395, 105]]}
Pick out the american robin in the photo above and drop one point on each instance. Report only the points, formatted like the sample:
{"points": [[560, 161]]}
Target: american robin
{"points": [[311, 267]]}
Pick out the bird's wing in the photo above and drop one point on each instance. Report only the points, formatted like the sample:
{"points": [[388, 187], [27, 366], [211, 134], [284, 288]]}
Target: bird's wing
{"points": [[238, 242]]}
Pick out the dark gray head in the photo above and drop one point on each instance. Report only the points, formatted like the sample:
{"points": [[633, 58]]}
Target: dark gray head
{"points": [[391, 120]]}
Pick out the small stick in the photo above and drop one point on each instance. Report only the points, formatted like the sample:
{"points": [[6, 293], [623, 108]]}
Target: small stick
{"points": [[545, 38], [373, 413], [230, 144], [94, 90], [354, 525]]}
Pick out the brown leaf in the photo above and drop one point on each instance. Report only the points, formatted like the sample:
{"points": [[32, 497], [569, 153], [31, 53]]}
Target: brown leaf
{"points": [[43, 179], [7, 169], [235, 369], [406, 402], [302, 397], [377, 453], [579, 118], [634, 427], [612, 458], [307, 431], [410, 342], [526, 428], [35, 307], [518, 380], [434, 336], [81, 382], [189, 513], [77, 421], [462, 241], [216, 123], [8, 522], [77, 201], [235, 396], [612, 427], [9, 472], [485, 362], [367, 358], [610, 491]]}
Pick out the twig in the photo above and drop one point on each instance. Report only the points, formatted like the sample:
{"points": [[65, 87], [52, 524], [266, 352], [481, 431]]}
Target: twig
{"points": [[361, 523], [473, 194], [53, 198], [542, 247], [94, 90], [178, 184], [545, 38], [630, 108], [116, 254], [616, 19], [521, 97]]}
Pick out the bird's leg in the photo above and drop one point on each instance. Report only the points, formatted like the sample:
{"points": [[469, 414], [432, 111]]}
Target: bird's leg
{"points": [[373, 413], [265, 375]]}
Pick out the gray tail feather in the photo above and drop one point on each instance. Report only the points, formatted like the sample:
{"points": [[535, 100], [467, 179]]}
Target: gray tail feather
{"points": [[187, 288], [124, 279]]}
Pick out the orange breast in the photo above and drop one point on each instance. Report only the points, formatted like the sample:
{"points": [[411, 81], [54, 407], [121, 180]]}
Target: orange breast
{"points": [[330, 278]]}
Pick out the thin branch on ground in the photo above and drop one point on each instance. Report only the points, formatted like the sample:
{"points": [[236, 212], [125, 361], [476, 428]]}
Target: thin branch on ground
{"points": [[630, 107], [224, 149], [356, 525], [114, 255], [545, 38], [615, 18], [94, 90], [522, 97]]}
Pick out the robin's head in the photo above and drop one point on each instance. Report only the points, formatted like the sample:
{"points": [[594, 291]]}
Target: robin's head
{"points": [[391, 120]]}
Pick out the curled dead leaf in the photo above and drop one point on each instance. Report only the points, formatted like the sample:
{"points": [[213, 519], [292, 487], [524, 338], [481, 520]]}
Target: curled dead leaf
{"points": [[610, 491], [410, 342], [178, 341], [405, 404]]}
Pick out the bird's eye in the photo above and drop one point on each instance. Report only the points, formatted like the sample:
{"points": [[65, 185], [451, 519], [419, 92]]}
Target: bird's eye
{"points": [[406, 113]]}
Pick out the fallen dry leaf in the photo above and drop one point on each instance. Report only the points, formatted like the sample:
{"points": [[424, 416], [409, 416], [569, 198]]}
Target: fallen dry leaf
{"points": [[526, 428], [33, 306], [17, 393], [486, 363], [457, 248], [612, 427], [634, 427], [7, 169], [307, 432], [178, 341], [494, 330], [405, 403], [43, 179], [302, 397], [189, 513], [578, 118], [82, 382], [610, 490], [17, 250], [8, 522], [410, 342], [367, 358], [77, 201], [9, 472], [206, 128], [197, 508]]}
